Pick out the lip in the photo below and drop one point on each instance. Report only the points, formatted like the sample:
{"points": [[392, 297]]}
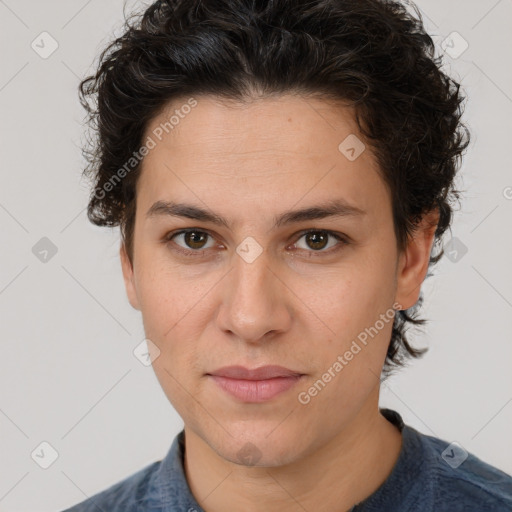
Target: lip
{"points": [[256, 386], [261, 373]]}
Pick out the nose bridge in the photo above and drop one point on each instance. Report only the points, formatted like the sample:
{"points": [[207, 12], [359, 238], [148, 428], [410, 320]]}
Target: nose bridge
{"points": [[255, 301]]}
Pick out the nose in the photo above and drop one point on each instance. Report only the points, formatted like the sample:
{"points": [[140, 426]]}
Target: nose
{"points": [[255, 301]]}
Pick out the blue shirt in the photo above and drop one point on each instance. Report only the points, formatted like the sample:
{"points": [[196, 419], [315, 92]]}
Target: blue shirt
{"points": [[430, 475]]}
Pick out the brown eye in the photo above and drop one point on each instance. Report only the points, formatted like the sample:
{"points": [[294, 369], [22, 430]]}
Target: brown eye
{"points": [[318, 240], [193, 240]]}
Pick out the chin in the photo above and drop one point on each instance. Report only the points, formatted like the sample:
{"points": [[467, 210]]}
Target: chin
{"points": [[259, 447]]}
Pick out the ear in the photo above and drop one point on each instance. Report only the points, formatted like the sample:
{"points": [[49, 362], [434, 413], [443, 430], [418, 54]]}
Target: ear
{"points": [[128, 277], [413, 261]]}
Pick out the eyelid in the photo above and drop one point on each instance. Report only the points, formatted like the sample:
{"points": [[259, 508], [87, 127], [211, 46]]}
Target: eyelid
{"points": [[343, 242], [340, 237], [169, 236]]}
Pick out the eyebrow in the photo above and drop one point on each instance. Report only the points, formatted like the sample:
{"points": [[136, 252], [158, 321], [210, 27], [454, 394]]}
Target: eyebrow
{"points": [[334, 208]]}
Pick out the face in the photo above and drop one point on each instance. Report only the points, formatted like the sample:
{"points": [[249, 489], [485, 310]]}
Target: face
{"points": [[256, 291]]}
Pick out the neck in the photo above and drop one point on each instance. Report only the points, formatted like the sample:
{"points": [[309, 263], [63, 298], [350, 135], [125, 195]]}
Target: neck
{"points": [[344, 471]]}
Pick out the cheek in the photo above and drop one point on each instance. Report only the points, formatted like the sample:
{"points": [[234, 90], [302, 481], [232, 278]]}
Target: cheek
{"points": [[158, 306], [173, 312], [361, 342], [172, 322], [355, 297], [159, 290], [353, 306]]}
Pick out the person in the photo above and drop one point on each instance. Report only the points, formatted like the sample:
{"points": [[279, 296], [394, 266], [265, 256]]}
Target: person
{"points": [[282, 173]]}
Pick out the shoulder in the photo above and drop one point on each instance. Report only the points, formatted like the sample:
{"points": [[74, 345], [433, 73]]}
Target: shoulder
{"points": [[124, 496], [160, 485], [462, 481]]}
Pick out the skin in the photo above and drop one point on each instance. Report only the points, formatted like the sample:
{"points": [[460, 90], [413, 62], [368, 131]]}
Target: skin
{"points": [[298, 304]]}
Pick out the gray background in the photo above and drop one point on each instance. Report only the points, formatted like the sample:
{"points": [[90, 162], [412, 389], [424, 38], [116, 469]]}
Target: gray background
{"points": [[68, 375]]}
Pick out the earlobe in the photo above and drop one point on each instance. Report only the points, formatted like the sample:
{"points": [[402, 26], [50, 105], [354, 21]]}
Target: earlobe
{"points": [[414, 261], [128, 277]]}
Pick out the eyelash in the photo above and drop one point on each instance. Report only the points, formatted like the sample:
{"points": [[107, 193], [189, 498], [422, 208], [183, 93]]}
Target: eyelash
{"points": [[200, 252]]}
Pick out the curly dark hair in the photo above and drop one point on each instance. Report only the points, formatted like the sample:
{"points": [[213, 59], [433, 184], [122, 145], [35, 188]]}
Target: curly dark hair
{"points": [[373, 54]]}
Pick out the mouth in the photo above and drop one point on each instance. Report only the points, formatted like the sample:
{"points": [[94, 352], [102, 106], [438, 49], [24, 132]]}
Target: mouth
{"points": [[255, 386]]}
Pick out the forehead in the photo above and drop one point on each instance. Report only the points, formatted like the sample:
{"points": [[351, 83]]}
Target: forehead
{"points": [[269, 151], [280, 124]]}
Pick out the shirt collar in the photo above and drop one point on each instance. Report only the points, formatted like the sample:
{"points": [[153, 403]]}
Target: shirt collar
{"points": [[404, 477], [169, 490]]}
